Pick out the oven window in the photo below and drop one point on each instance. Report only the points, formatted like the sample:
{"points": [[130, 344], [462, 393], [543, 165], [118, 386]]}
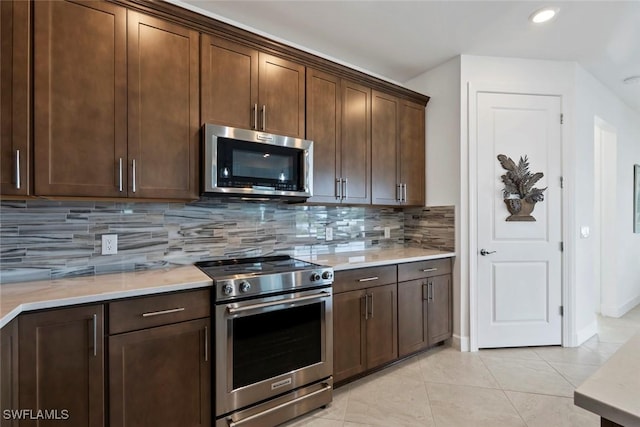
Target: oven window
{"points": [[273, 343]]}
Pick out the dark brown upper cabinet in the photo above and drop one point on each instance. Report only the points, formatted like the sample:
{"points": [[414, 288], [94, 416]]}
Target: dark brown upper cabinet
{"points": [[245, 88], [339, 124], [15, 98], [398, 141], [116, 108]]}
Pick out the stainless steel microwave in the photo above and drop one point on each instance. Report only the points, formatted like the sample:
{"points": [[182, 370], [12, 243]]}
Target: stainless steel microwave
{"points": [[250, 164]]}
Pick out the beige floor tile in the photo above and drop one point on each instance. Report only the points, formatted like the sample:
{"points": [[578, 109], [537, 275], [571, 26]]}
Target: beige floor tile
{"points": [[464, 406], [615, 334], [573, 372], [313, 422], [453, 367], [571, 355], [595, 344], [534, 376], [389, 401], [551, 411], [527, 353]]}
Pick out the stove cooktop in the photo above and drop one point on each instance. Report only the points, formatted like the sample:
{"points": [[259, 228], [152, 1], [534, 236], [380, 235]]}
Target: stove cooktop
{"points": [[259, 276]]}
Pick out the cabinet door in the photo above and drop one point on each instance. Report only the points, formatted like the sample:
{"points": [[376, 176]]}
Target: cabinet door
{"points": [[281, 96], [15, 97], [382, 325], [412, 316], [439, 309], [61, 364], [385, 177], [355, 150], [161, 376], [323, 128], [412, 152], [9, 371], [349, 334], [80, 106], [229, 83], [164, 108]]}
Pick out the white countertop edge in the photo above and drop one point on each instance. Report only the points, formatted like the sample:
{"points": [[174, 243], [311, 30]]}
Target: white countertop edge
{"points": [[382, 262], [100, 297], [605, 410]]}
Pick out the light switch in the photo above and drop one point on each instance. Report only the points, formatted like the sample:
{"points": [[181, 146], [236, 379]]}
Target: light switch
{"points": [[584, 231]]}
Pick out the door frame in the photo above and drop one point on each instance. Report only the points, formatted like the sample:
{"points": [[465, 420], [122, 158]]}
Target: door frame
{"points": [[470, 191]]}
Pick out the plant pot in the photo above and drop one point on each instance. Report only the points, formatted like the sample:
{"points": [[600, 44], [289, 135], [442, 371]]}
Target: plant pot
{"points": [[519, 209]]}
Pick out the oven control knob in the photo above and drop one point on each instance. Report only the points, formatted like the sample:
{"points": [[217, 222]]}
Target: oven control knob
{"points": [[327, 275], [245, 286], [227, 289], [315, 277]]}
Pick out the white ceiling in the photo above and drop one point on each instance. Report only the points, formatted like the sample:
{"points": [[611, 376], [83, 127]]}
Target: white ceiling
{"points": [[398, 40]]}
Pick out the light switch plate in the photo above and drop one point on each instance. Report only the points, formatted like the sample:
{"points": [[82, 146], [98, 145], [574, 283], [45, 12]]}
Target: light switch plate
{"points": [[387, 232], [328, 234], [585, 231], [109, 244]]}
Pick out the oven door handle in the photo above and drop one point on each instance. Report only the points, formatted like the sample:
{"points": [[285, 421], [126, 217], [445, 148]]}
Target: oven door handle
{"points": [[278, 407], [231, 309]]}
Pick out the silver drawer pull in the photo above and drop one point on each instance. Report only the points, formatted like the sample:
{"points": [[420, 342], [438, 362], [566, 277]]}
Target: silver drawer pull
{"points": [[18, 170], [161, 312], [428, 270], [368, 279]]}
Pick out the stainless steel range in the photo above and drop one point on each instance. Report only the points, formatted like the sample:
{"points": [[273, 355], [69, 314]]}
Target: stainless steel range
{"points": [[273, 338]]}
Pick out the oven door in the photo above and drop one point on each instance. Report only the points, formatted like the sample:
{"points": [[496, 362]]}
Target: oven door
{"points": [[269, 346]]}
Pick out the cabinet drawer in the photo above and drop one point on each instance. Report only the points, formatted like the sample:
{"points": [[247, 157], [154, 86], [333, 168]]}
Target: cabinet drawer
{"points": [[418, 269], [360, 278], [146, 312]]}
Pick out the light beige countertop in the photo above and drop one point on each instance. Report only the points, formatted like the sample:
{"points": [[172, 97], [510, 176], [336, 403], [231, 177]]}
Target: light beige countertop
{"points": [[16, 298], [375, 258], [19, 297], [613, 391]]}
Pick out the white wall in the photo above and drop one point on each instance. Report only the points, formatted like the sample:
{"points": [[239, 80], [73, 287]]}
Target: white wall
{"points": [[448, 179], [594, 100], [443, 165]]}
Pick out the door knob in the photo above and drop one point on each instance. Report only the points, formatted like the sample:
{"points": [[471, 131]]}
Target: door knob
{"points": [[485, 252]]}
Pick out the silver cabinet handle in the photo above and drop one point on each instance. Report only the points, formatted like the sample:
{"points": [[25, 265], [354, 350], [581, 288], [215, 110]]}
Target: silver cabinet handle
{"points": [[371, 306], [120, 174], [428, 270], [18, 184], [257, 416], [366, 307], [133, 175], [345, 193], [232, 309], [338, 188], [399, 193], [206, 343], [430, 293], [368, 279], [161, 312], [255, 116], [264, 117], [95, 335], [485, 252], [404, 194]]}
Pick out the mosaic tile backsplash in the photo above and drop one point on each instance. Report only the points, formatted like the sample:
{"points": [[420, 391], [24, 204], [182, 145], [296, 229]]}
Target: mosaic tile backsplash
{"points": [[41, 239], [430, 227]]}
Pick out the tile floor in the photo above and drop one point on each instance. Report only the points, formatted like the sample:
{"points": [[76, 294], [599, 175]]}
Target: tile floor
{"points": [[504, 387]]}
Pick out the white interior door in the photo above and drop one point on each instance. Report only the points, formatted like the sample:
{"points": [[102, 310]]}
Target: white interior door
{"points": [[519, 284]]}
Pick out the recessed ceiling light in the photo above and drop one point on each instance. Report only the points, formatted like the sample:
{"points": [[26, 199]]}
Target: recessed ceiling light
{"points": [[543, 15], [633, 80]]}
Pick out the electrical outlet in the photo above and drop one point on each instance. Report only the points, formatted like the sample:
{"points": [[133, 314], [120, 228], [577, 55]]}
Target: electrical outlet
{"points": [[328, 234], [109, 244], [387, 232]]}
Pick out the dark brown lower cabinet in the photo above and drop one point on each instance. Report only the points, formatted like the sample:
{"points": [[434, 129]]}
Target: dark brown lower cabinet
{"points": [[364, 330], [424, 318], [61, 367], [9, 373], [161, 376]]}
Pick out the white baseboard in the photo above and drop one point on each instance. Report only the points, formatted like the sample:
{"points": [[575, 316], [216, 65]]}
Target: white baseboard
{"points": [[587, 332], [623, 309], [460, 343]]}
